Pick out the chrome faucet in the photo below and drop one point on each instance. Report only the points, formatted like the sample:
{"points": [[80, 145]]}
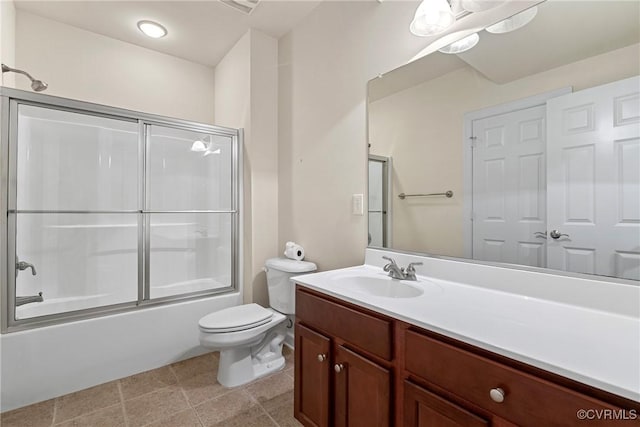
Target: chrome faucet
{"points": [[396, 272], [23, 265], [410, 271], [29, 299]]}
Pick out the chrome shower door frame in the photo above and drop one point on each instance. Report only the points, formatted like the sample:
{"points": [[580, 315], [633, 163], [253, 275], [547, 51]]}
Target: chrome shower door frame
{"points": [[10, 99]]}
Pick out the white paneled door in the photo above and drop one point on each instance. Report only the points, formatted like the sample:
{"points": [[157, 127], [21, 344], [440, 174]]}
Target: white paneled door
{"points": [[509, 194], [593, 180]]}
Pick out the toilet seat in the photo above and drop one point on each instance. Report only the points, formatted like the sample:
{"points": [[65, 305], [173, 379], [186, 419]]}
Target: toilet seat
{"points": [[235, 319]]}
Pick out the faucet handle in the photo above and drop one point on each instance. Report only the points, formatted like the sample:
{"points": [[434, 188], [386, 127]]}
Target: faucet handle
{"points": [[393, 261], [411, 265]]}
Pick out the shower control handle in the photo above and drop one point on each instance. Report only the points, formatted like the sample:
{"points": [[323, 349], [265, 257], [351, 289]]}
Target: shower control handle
{"points": [[23, 265]]}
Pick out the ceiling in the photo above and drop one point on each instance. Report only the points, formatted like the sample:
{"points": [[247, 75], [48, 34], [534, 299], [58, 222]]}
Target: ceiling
{"points": [[199, 31], [563, 32]]}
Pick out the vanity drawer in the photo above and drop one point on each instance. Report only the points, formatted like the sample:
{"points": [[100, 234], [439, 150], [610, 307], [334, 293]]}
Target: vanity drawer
{"points": [[347, 323], [528, 400]]}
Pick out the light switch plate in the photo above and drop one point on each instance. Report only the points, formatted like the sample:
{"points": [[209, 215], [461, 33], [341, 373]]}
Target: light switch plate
{"points": [[357, 204]]}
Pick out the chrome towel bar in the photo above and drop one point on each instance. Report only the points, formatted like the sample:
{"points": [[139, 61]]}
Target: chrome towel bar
{"points": [[448, 194]]}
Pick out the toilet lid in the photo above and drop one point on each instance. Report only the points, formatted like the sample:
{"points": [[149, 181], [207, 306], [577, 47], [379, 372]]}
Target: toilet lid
{"points": [[236, 318]]}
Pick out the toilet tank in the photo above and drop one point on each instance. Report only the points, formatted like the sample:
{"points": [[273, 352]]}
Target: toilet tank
{"points": [[281, 290]]}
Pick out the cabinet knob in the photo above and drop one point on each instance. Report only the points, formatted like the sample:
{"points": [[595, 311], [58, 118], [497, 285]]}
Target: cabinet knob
{"points": [[497, 395], [339, 367], [322, 357]]}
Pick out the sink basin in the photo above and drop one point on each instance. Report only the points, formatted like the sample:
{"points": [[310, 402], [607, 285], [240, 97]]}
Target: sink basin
{"points": [[379, 286]]}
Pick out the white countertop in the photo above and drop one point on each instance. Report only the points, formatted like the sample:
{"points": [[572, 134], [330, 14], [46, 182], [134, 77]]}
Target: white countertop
{"points": [[593, 346]]}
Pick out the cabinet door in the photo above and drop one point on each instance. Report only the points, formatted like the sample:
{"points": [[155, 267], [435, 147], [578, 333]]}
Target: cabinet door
{"points": [[312, 368], [423, 408], [362, 391]]}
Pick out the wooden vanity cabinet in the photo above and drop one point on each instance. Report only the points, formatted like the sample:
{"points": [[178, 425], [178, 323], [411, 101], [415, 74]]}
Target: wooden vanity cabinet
{"points": [[341, 382], [354, 367], [497, 393]]}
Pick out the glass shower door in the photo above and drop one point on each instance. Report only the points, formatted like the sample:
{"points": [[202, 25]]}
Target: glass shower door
{"points": [[189, 211], [74, 212]]}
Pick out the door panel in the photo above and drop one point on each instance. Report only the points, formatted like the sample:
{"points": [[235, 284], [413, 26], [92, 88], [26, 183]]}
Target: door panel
{"points": [[508, 161], [311, 401], [425, 409], [593, 175], [362, 391]]}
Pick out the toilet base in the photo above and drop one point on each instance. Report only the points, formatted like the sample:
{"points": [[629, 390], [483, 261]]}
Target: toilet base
{"points": [[240, 366]]}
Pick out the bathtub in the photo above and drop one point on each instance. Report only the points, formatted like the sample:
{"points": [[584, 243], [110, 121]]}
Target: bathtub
{"points": [[46, 362], [67, 304]]}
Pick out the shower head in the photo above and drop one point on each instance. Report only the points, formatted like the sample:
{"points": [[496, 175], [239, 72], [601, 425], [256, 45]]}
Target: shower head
{"points": [[37, 85]]}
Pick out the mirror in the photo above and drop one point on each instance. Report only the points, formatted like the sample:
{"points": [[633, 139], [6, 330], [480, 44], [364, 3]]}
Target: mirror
{"points": [[535, 132]]}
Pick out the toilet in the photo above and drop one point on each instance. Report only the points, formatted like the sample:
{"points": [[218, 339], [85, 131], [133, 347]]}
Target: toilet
{"points": [[250, 337]]}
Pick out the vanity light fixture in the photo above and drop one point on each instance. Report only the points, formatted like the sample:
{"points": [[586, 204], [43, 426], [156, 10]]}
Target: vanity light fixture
{"points": [[432, 17], [480, 5], [152, 29], [518, 20], [461, 45]]}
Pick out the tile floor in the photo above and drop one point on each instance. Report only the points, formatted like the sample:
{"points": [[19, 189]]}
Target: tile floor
{"points": [[183, 394]]}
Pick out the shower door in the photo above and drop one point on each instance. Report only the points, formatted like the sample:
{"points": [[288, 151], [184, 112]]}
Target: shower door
{"points": [[188, 211], [75, 211], [108, 209]]}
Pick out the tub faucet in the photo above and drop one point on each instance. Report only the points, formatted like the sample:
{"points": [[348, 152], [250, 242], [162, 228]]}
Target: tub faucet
{"points": [[395, 272], [29, 299]]}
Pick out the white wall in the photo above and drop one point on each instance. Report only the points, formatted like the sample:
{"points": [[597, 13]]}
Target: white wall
{"points": [[421, 128], [7, 40], [90, 67], [246, 97]]}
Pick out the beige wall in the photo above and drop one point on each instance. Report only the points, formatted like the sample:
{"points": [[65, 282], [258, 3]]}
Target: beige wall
{"points": [[325, 63], [246, 97], [421, 128], [7, 40], [83, 65]]}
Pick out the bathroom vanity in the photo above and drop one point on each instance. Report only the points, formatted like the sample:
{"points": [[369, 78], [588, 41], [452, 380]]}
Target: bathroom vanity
{"points": [[370, 355]]}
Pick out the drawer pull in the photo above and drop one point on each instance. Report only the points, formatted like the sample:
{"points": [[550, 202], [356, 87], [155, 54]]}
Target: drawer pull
{"points": [[497, 395], [322, 357], [339, 367]]}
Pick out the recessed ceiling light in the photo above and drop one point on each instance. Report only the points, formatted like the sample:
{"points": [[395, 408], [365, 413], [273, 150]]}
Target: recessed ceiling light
{"points": [[152, 29]]}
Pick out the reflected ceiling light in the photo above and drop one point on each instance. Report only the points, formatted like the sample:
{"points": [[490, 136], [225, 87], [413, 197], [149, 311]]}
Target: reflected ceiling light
{"points": [[461, 45], [152, 29], [516, 21], [432, 17], [199, 146], [206, 153], [480, 5]]}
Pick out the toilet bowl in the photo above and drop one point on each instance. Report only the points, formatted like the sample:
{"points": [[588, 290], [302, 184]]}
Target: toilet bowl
{"points": [[250, 337]]}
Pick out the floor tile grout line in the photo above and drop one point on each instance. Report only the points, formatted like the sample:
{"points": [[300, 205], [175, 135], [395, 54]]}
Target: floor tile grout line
{"points": [[53, 412], [124, 409]]}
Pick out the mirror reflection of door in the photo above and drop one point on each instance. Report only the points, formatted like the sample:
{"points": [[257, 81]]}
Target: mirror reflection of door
{"points": [[379, 214], [558, 185], [593, 192], [509, 191]]}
